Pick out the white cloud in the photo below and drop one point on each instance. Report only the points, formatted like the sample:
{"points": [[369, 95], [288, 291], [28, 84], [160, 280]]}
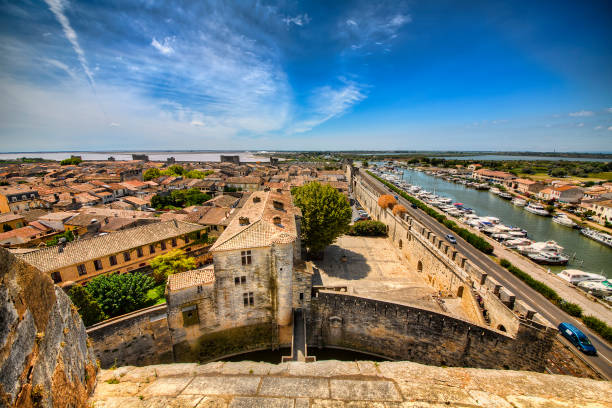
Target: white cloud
{"points": [[609, 127], [165, 47], [197, 123], [57, 7], [114, 124], [399, 20], [327, 103], [60, 65], [582, 113], [609, 110], [299, 20], [372, 26], [580, 124], [598, 127]]}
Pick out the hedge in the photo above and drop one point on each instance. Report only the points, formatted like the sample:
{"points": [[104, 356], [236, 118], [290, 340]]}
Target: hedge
{"points": [[598, 326], [473, 239], [572, 309], [368, 228]]}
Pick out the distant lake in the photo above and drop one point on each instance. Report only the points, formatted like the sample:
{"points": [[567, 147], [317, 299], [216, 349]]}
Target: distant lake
{"points": [[504, 157], [195, 156]]}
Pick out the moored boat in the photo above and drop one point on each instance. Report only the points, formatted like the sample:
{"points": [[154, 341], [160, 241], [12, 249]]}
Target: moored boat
{"points": [[600, 237], [536, 208], [519, 202], [564, 220]]}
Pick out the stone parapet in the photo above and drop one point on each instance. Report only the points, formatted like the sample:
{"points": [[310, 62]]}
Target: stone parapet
{"points": [[340, 384]]}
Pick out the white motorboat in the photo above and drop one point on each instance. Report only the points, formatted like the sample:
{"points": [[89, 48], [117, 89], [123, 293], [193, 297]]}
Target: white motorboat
{"points": [[536, 208], [600, 237], [505, 196], [549, 258], [575, 276], [564, 220], [495, 190], [518, 243], [597, 288], [537, 247], [519, 202]]}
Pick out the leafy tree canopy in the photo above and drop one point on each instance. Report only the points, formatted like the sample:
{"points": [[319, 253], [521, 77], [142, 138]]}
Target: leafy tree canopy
{"points": [[179, 198], [326, 214], [89, 309], [151, 174], [172, 262], [72, 160], [118, 294]]}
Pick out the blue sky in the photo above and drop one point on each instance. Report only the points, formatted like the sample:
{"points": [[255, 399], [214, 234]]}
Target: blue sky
{"points": [[441, 75]]}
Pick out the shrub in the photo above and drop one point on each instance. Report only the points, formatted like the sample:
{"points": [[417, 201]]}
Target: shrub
{"points": [[399, 210], [598, 326], [368, 229], [504, 262], [386, 201], [571, 309]]}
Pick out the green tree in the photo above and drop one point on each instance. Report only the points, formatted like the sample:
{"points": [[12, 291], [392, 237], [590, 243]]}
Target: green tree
{"points": [[88, 308], [69, 235], [169, 263], [326, 215], [365, 164], [72, 160], [118, 294], [151, 174], [175, 170]]}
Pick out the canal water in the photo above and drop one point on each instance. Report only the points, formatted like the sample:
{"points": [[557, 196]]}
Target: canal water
{"points": [[275, 356], [588, 255]]}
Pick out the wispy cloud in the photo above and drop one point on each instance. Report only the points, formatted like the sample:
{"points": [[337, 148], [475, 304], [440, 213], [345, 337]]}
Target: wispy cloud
{"points": [[57, 7], [599, 127], [61, 66], [165, 46], [329, 102], [582, 113], [373, 26], [609, 110], [299, 20], [609, 127], [580, 124]]}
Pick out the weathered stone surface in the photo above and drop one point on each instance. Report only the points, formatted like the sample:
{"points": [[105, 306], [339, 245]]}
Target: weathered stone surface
{"points": [[295, 387], [223, 385], [338, 384], [45, 359]]}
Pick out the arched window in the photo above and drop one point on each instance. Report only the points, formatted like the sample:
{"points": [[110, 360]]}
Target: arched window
{"points": [[420, 266], [460, 291]]}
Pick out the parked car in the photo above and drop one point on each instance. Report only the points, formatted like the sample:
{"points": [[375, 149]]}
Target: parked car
{"points": [[577, 338], [451, 239], [414, 205]]}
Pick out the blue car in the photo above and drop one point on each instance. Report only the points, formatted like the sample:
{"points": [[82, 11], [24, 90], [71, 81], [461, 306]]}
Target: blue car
{"points": [[577, 338]]}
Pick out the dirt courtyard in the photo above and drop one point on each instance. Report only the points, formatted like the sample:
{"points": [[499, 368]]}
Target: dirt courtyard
{"points": [[371, 267]]}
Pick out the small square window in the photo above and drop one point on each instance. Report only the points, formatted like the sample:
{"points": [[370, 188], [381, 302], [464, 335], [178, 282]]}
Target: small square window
{"points": [[163, 245], [186, 239], [56, 276], [243, 280], [152, 249], [81, 269], [236, 281], [173, 242], [126, 256], [246, 257], [190, 315], [112, 260], [97, 264], [139, 252], [301, 296]]}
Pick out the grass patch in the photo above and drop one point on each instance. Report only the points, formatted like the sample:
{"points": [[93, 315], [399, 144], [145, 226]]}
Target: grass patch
{"points": [[606, 175]]}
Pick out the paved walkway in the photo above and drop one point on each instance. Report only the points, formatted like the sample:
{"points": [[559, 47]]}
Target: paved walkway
{"points": [[340, 384]]}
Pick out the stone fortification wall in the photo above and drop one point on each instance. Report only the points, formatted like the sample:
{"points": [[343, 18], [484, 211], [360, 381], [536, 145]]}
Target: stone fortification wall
{"points": [[45, 358], [408, 333], [138, 338], [447, 269]]}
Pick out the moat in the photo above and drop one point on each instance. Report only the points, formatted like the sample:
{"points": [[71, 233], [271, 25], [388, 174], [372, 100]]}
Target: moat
{"points": [[326, 353]]}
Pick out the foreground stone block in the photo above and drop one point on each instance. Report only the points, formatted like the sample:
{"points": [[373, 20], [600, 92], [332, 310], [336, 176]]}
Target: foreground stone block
{"points": [[336, 384]]}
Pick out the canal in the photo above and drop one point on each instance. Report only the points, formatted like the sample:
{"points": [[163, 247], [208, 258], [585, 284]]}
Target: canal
{"points": [[587, 255]]}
